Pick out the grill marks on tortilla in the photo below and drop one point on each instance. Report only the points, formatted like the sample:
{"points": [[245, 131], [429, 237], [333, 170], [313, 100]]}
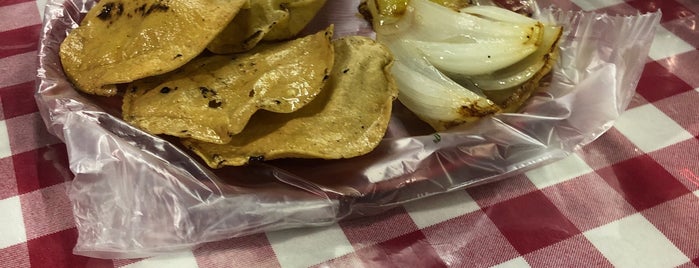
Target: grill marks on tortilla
{"points": [[348, 118], [110, 9], [114, 10], [216, 95], [122, 41]]}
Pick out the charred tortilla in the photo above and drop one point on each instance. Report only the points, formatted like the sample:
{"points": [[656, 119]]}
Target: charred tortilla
{"points": [[212, 98], [122, 41], [347, 119]]}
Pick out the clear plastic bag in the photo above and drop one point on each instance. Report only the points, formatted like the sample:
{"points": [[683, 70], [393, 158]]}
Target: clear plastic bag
{"points": [[138, 195]]}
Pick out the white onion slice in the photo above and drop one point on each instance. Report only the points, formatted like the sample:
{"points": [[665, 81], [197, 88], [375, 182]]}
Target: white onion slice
{"points": [[522, 71], [431, 95], [474, 58], [480, 46], [428, 21], [498, 14]]}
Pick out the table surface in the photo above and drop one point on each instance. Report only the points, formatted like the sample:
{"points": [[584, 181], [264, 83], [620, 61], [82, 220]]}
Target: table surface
{"points": [[630, 198]]}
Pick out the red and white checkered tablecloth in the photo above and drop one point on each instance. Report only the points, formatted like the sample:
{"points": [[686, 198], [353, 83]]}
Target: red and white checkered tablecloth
{"points": [[629, 199]]}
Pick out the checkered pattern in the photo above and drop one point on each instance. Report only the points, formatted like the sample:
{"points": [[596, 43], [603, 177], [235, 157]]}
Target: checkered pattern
{"points": [[629, 199]]}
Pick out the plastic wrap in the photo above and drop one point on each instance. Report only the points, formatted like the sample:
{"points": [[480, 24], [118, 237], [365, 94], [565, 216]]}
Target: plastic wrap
{"points": [[138, 195]]}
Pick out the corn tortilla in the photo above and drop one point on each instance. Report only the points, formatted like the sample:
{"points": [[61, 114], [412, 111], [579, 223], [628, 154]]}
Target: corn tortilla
{"points": [[348, 118], [122, 41], [212, 98]]}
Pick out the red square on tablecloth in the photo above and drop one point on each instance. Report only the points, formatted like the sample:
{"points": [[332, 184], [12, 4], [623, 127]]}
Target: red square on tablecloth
{"points": [[588, 201], [692, 5], [347, 260], [55, 250], [531, 222], [657, 83], [15, 256], [20, 40], [46, 211], [366, 231], [41, 168], [499, 191], [409, 250], [247, 251], [612, 147], [671, 9], [689, 264], [8, 185], [12, 2], [677, 220], [642, 182], [17, 100], [576, 251], [479, 242]]}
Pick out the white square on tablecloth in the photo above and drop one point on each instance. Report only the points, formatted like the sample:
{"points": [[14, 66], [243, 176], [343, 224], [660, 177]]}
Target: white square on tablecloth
{"points": [[696, 193], [666, 44], [12, 230], [439, 208], [518, 262], [634, 242], [566, 169], [41, 5], [184, 259], [5, 150], [650, 129], [309, 246], [588, 5]]}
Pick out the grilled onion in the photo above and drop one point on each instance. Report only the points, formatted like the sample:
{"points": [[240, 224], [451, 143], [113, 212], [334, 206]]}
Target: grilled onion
{"points": [[448, 61]]}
